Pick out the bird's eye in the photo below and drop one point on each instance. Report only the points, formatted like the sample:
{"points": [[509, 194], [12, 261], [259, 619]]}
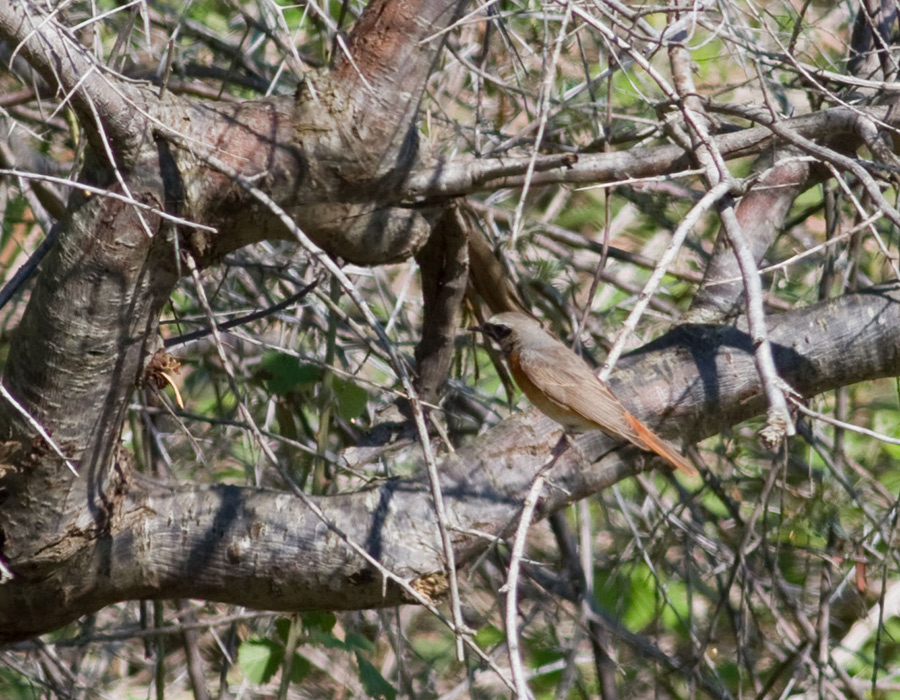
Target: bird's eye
{"points": [[498, 332]]}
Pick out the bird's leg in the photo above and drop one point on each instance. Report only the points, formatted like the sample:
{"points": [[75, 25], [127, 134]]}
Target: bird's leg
{"points": [[558, 449], [560, 446]]}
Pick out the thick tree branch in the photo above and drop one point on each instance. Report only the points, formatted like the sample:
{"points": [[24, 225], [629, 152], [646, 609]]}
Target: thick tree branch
{"points": [[761, 213], [443, 262], [463, 176], [266, 550], [391, 52], [70, 69]]}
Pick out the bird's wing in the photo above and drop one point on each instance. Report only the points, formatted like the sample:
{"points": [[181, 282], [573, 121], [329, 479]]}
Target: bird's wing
{"points": [[568, 381], [571, 384]]}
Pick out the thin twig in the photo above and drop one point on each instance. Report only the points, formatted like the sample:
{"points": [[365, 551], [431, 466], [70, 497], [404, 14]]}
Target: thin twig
{"points": [[36, 426], [778, 421], [546, 88], [687, 223], [512, 584], [90, 189], [515, 561], [28, 268], [824, 245], [842, 424], [241, 320]]}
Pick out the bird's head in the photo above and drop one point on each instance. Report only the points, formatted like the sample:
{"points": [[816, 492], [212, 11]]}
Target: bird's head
{"points": [[506, 329]]}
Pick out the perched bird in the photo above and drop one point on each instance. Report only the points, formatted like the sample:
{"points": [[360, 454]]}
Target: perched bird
{"points": [[563, 387]]}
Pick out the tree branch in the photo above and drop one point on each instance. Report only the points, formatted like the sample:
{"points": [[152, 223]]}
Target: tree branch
{"points": [[69, 68], [267, 550], [464, 176]]}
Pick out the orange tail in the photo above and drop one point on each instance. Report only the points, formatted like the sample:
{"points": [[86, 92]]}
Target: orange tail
{"points": [[656, 444]]}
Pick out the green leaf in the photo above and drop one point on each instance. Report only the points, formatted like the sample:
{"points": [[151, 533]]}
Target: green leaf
{"points": [[259, 659], [300, 668], [231, 475], [16, 686], [373, 682], [319, 620], [325, 639], [629, 595], [489, 636], [355, 640], [284, 373], [283, 628], [351, 398], [675, 614], [642, 599]]}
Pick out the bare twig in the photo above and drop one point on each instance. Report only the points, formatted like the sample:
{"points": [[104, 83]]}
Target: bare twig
{"points": [[800, 406], [687, 224], [512, 576], [544, 109], [37, 427], [779, 420]]}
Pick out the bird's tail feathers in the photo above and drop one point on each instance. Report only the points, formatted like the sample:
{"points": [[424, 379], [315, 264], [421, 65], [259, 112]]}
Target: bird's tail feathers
{"points": [[656, 444]]}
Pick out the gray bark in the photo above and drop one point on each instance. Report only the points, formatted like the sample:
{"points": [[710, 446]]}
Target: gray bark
{"points": [[107, 534], [267, 549]]}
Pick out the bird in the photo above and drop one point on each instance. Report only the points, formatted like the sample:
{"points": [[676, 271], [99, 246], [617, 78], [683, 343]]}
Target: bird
{"points": [[563, 386]]}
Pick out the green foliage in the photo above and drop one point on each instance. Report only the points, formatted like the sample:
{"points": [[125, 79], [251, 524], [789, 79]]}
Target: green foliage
{"points": [[372, 681], [318, 621], [436, 648], [352, 399], [259, 659], [17, 686], [630, 595], [488, 636], [676, 612], [13, 214], [283, 373], [586, 214]]}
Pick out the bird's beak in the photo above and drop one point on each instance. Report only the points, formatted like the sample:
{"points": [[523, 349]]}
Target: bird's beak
{"points": [[476, 328]]}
